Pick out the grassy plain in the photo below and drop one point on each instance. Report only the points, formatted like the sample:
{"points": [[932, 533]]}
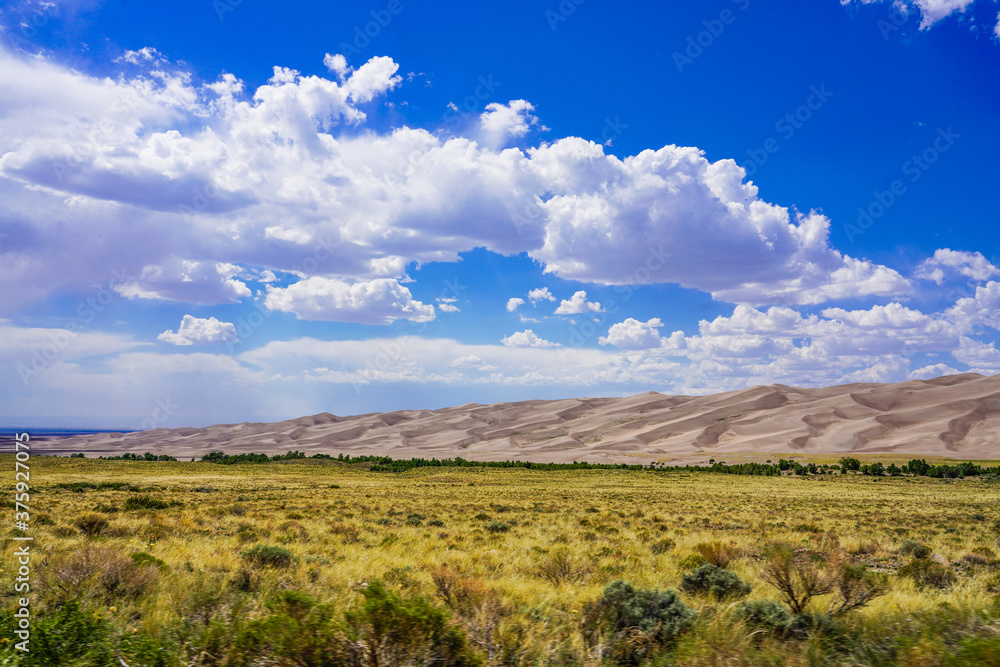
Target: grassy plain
{"points": [[515, 558]]}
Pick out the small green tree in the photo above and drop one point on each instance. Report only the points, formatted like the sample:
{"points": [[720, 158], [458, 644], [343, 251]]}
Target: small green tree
{"points": [[849, 463]]}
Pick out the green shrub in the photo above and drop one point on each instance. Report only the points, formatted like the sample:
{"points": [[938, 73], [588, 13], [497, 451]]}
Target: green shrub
{"points": [[662, 547], [915, 549], [926, 573], [641, 621], [141, 558], [766, 615], [148, 503], [92, 525], [61, 636], [715, 581], [269, 556], [437, 523], [391, 630], [497, 527]]}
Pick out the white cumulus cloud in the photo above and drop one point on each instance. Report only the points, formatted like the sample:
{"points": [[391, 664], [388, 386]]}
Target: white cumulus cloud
{"points": [[633, 334], [200, 331], [578, 304], [540, 294], [379, 301], [971, 265], [526, 338]]}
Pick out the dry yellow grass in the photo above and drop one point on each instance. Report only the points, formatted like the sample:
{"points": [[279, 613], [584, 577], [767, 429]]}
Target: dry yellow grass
{"points": [[564, 536]]}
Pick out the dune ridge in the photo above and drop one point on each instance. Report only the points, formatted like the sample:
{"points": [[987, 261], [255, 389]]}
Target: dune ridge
{"points": [[956, 416]]}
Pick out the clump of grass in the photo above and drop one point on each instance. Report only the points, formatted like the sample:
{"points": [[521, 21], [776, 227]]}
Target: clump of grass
{"points": [[269, 556], [926, 573], [497, 527], [915, 549], [717, 553], [148, 503], [92, 525], [662, 546], [561, 566]]}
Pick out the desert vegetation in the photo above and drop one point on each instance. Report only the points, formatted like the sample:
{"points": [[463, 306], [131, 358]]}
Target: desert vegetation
{"points": [[318, 561]]}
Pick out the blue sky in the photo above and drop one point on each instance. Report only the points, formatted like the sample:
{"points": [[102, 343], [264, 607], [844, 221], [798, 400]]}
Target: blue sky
{"points": [[218, 211]]}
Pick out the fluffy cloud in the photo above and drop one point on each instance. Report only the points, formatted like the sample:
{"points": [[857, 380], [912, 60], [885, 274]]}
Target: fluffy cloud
{"points": [[578, 304], [380, 301], [526, 338], [979, 355], [633, 334], [935, 10], [540, 294], [933, 371], [979, 310], [514, 303], [971, 265], [200, 331], [931, 11], [182, 172], [188, 281], [500, 122], [735, 246]]}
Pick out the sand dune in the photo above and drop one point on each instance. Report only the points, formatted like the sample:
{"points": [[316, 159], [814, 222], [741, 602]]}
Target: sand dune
{"points": [[957, 416]]}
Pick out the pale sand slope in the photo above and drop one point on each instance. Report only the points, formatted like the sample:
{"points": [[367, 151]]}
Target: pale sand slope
{"points": [[956, 416]]}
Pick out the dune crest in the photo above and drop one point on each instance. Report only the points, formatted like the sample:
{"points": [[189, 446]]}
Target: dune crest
{"points": [[956, 416]]}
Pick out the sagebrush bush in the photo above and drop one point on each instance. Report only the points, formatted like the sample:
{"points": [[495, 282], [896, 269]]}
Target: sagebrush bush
{"points": [[766, 615], [269, 556], [927, 573], [497, 527], [391, 630], [640, 620], [712, 580], [915, 549]]}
